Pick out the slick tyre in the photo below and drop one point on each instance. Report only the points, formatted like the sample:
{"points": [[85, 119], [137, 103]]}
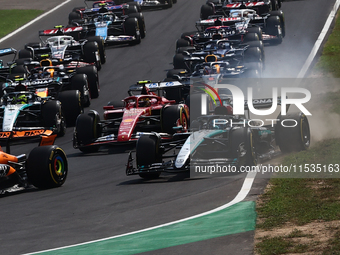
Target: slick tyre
{"points": [[47, 167], [131, 28], [206, 11], [173, 116], [141, 23], [243, 146], [79, 82], [179, 62], [87, 130], [71, 105], [91, 54], [25, 53], [92, 79], [147, 153], [273, 27], [53, 117], [292, 138], [101, 47]]}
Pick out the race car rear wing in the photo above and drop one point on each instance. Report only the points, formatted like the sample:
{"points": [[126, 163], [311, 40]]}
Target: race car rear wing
{"points": [[44, 136], [154, 86], [7, 51], [59, 30]]}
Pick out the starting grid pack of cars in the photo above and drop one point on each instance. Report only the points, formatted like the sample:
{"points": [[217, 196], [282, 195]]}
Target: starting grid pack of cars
{"points": [[49, 83]]}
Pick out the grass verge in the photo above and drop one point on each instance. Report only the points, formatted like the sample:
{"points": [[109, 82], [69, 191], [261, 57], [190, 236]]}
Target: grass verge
{"points": [[306, 204], [13, 19]]}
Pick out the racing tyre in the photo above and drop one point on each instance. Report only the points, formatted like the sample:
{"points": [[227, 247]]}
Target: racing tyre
{"points": [[101, 47], [132, 9], [206, 11], [25, 53], [73, 16], [173, 116], [53, 117], [86, 130], [185, 35], [141, 23], [92, 79], [182, 43], [292, 138], [249, 37], [79, 82], [256, 30], [253, 55], [169, 5], [131, 28], [47, 167], [179, 62], [280, 14], [243, 146], [147, 153], [275, 5], [257, 44], [91, 54], [78, 8], [71, 105], [137, 4], [273, 27]]}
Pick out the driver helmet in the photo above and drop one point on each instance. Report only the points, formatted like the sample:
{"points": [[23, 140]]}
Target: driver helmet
{"points": [[144, 102], [22, 99], [106, 17]]}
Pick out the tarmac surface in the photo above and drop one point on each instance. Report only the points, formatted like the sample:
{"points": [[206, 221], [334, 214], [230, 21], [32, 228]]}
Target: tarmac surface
{"points": [[29, 4]]}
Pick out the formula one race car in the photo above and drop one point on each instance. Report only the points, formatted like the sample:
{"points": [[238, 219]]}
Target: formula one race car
{"points": [[269, 27], [221, 139], [229, 57], [126, 120], [45, 167], [26, 115], [223, 7], [113, 23], [5, 70], [65, 48], [150, 4], [57, 78], [36, 91]]}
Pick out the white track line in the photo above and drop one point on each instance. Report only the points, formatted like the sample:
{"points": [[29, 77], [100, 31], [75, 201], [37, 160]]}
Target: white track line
{"points": [[33, 21], [319, 41], [247, 184]]}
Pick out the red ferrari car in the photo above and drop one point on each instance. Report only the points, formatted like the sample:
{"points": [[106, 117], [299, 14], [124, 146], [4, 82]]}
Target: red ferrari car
{"points": [[125, 121]]}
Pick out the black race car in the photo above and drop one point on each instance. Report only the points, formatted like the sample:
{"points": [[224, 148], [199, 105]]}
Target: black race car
{"points": [[64, 48], [221, 138], [223, 7]]}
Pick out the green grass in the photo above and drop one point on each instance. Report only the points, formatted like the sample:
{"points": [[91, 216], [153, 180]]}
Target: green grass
{"points": [[299, 201], [329, 61], [13, 19]]}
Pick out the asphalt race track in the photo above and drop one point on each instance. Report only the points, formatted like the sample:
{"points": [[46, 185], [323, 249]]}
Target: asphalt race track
{"points": [[98, 200]]}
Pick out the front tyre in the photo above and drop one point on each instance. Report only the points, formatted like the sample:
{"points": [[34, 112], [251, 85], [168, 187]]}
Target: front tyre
{"points": [[47, 167]]}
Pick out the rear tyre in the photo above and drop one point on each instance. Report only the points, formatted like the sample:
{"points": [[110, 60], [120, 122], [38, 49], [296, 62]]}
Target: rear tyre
{"points": [[141, 23], [53, 117], [253, 55], [179, 62], [273, 27], [73, 16], [206, 11], [249, 37], [101, 47], [147, 153], [87, 130], [91, 54], [131, 28], [47, 167], [25, 53], [79, 82], [71, 105], [92, 79], [243, 146], [256, 30], [173, 116], [291, 138], [182, 43]]}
